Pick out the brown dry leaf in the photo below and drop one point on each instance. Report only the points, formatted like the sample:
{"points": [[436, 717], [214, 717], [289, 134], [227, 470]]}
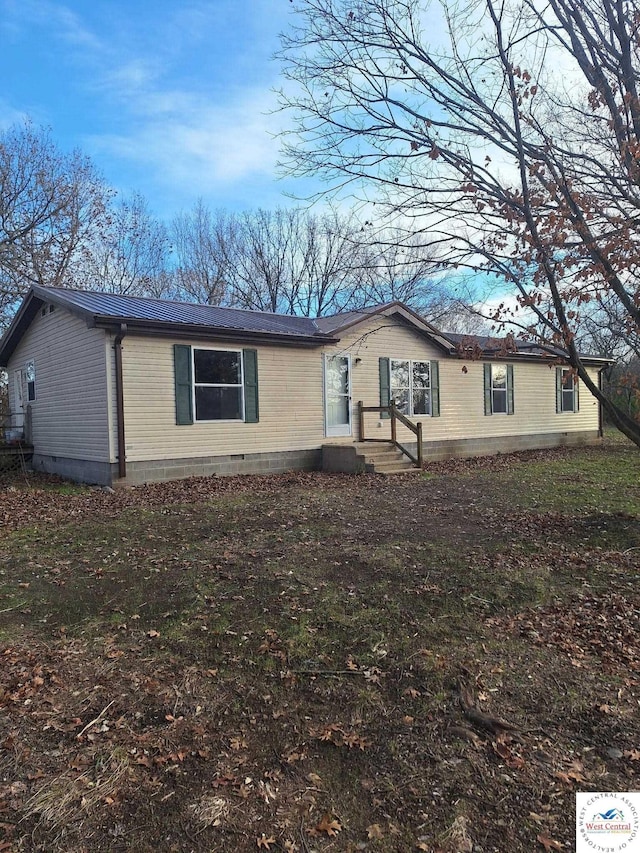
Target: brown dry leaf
{"points": [[549, 843], [632, 754], [328, 825], [509, 758], [563, 777], [374, 832], [576, 771], [153, 634], [265, 843]]}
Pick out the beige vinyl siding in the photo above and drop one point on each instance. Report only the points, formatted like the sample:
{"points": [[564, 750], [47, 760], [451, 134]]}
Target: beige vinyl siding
{"points": [[291, 397], [461, 393], [69, 414], [290, 394]]}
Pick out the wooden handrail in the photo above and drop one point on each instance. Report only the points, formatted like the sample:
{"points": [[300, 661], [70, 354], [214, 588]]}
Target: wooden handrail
{"points": [[395, 415]]}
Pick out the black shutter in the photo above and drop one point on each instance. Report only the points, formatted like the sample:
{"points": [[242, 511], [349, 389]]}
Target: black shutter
{"points": [[510, 407], [488, 408], [558, 389], [434, 376], [385, 389], [182, 374], [250, 366]]}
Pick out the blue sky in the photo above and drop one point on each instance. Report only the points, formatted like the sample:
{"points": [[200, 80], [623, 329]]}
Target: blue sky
{"points": [[171, 99]]}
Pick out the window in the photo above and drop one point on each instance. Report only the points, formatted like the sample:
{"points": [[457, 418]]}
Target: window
{"points": [[218, 385], [215, 385], [498, 389], [566, 390], [30, 376], [413, 386]]}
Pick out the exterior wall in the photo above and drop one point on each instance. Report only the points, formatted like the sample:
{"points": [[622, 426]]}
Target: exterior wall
{"points": [[292, 407], [69, 414], [461, 393], [290, 394]]}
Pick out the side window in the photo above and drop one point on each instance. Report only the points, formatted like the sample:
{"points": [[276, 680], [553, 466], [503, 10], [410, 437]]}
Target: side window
{"points": [[401, 385], [218, 387], [215, 385], [30, 376], [421, 388], [498, 389], [413, 386], [566, 390]]}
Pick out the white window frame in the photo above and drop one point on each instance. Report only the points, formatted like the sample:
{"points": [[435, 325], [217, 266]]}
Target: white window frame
{"points": [[195, 385], [411, 388], [500, 390], [567, 371]]}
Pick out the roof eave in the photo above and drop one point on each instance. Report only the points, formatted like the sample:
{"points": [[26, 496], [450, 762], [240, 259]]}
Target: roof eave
{"points": [[194, 331], [30, 306]]}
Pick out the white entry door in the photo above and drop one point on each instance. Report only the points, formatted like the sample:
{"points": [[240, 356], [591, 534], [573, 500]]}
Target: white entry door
{"points": [[337, 394]]}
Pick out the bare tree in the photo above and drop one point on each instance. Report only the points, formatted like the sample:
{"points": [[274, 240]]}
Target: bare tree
{"points": [[202, 242], [50, 205], [128, 254], [298, 262], [508, 131]]}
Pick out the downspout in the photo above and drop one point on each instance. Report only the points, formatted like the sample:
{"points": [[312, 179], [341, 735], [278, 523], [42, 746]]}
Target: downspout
{"points": [[600, 413], [117, 346]]}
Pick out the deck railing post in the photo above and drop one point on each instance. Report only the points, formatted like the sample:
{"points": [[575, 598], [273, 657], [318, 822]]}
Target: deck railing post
{"points": [[419, 437], [360, 421], [394, 435]]}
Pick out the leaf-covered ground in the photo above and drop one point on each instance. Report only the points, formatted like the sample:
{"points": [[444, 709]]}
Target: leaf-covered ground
{"points": [[277, 663]]}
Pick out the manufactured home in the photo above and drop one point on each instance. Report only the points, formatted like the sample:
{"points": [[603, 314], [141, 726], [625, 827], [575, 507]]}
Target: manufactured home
{"points": [[114, 389]]}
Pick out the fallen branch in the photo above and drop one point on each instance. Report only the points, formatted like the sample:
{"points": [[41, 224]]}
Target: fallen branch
{"points": [[15, 607], [483, 721], [97, 719], [328, 671], [463, 733]]}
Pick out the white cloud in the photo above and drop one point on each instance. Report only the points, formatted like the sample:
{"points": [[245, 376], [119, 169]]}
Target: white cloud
{"points": [[201, 145], [162, 87], [63, 23]]}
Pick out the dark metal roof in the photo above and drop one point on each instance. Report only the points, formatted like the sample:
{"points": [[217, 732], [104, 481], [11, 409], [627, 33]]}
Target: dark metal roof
{"points": [[129, 308], [346, 318], [507, 347], [488, 343], [161, 317]]}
